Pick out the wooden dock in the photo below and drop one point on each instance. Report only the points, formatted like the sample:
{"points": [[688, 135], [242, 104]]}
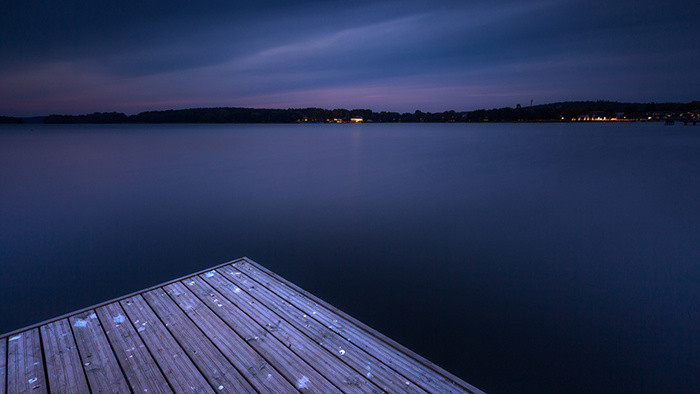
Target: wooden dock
{"points": [[236, 327]]}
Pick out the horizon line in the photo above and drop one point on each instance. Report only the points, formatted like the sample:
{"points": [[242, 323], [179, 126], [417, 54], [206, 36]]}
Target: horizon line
{"points": [[346, 109]]}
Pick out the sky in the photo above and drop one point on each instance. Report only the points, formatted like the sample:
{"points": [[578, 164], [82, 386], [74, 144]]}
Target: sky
{"points": [[74, 57]]}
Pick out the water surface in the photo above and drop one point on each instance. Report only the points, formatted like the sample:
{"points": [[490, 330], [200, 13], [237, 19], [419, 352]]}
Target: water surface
{"points": [[521, 257]]}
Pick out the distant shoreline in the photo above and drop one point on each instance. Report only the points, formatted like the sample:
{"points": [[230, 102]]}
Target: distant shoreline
{"points": [[570, 111]]}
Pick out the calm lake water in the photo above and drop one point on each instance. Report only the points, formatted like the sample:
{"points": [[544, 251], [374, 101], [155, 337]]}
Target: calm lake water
{"points": [[521, 257]]}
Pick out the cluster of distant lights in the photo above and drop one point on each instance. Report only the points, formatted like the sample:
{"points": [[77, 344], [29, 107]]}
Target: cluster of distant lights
{"points": [[358, 119], [598, 119], [605, 119], [585, 118]]}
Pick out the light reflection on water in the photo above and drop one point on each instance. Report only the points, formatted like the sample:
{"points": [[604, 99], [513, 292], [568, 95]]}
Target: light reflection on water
{"points": [[522, 257]]}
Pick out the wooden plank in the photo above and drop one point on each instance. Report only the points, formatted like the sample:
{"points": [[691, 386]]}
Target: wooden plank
{"points": [[25, 365], [418, 372], [247, 295], [218, 370], [258, 371], [142, 372], [177, 367], [100, 364], [63, 366], [3, 365], [289, 364]]}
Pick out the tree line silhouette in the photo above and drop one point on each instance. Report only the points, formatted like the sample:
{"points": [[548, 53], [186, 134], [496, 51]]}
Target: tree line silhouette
{"points": [[546, 112], [9, 119]]}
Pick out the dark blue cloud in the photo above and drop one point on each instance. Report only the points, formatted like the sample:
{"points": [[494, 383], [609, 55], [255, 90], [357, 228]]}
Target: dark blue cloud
{"points": [[72, 56]]}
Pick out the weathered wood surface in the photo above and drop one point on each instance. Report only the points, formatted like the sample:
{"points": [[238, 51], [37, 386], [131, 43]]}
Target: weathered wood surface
{"points": [[25, 367], [177, 367], [141, 371], [63, 365], [338, 347], [253, 366], [268, 324], [234, 328], [99, 361], [218, 370]]}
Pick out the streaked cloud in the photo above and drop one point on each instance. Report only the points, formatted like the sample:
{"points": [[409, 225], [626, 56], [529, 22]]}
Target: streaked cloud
{"points": [[388, 55]]}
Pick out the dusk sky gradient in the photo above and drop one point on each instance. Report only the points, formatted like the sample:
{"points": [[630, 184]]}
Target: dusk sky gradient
{"points": [[130, 56]]}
